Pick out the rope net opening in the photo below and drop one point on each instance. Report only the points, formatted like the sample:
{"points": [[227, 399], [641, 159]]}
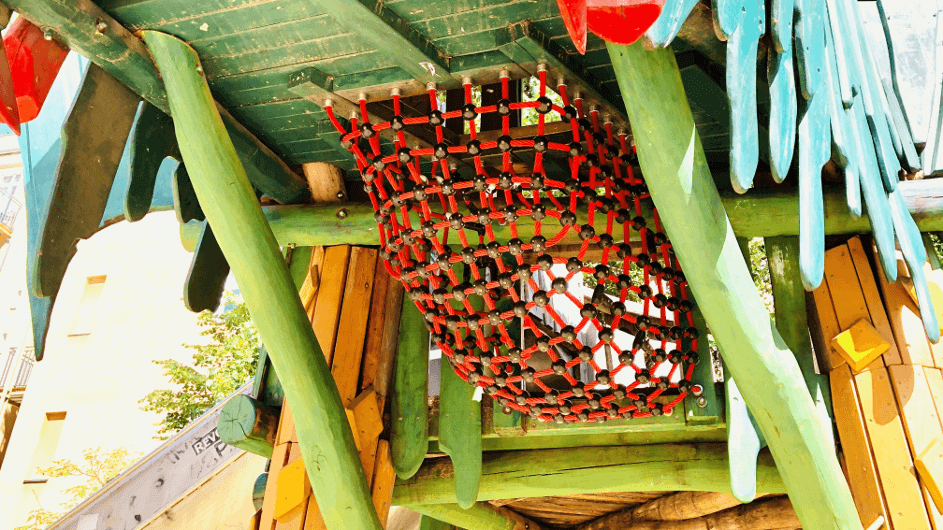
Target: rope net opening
{"points": [[510, 314]]}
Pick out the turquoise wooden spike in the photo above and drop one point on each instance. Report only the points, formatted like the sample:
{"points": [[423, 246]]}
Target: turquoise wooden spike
{"points": [[899, 122], [744, 442], [782, 118], [836, 32], [842, 140], [782, 13], [741, 73], [915, 255], [810, 45], [875, 198], [814, 151], [152, 140], [728, 14], [665, 29]]}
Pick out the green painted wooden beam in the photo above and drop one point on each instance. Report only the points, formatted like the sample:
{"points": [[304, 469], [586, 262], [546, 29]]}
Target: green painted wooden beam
{"points": [[430, 523], [478, 517], [230, 205], [755, 214], [695, 219], [249, 425], [409, 412], [515, 474], [117, 51], [373, 22]]}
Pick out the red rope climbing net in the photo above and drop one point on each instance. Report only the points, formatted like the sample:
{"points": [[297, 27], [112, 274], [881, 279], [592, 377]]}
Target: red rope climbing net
{"points": [[588, 357]]}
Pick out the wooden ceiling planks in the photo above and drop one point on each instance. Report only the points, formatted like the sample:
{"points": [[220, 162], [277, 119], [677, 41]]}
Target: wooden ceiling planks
{"points": [[566, 511]]}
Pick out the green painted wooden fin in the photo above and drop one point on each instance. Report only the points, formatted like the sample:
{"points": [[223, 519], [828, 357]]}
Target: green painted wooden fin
{"points": [[429, 523], [152, 140], [186, 205], [460, 433], [249, 425], [477, 516], [258, 490], [728, 15], [789, 297], [93, 140], [741, 73], [409, 409], [206, 278], [915, 255], [666, 28], [694, 218], [744, 442], [814, 151], [219, 180]]}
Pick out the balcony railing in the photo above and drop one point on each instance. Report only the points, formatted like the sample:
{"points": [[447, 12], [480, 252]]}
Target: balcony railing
{"points": [[9, 208], [17, 367]]}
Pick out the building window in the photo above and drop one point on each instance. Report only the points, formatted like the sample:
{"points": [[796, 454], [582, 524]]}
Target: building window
{"points": [[88, 306], [45, 451]]}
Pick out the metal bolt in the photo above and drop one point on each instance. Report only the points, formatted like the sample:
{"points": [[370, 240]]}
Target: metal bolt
{"points": [[669, 412], [394, 92], [47, 34], [362, 96], [466, 80], [542, 67], [561, 81], [697, 390], [504, 73], [101, 26], [430, 86], [354, 114], [328, 102], [701, 402], [342, 213], [577, 95], [340, 195]]}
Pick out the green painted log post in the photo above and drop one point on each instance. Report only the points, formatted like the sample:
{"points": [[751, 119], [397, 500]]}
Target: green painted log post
{"points": [[220, 182], [582, 470], [249, 425], [478, 517], [755, 214], [673, 160], [410, 408], [429, 523]]}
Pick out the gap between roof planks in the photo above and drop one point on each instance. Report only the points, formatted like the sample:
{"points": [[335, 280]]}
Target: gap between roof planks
{"points": [[844, 104]]}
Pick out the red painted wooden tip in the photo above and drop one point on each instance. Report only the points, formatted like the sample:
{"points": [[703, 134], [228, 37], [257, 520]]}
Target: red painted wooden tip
{"points": [[618, 21], [34, 64]]}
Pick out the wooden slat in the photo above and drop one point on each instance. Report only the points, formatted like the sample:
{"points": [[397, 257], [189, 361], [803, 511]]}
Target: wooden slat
{"points": [[378, 325], [315, 271], [348, 351], [891, 452], [286, 426], [294, 519], [823, 325], [845, 291], [327, 310], [383, 480], [872, 298], [921, 421], [279, 459], [860, 468], [905, 321], [369, 425]]}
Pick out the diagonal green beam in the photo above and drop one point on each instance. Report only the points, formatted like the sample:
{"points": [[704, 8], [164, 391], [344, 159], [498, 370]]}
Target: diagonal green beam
{"points": [[93, 33], [232, 208], [373, 22], [772, 384]]}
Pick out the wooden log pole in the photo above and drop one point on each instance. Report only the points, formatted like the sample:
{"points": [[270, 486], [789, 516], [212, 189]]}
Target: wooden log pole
{"points": [[755, 214], [690, 207], [479, 516], [249, 425], [684, 505], [774, 514], [549, 472], [220, 182]]}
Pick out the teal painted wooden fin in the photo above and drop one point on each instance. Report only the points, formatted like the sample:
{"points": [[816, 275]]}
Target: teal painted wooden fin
{"points": [[152, 140], [899, 122], [874, 195], [835, 37], [744, 442], [460, 433], [814, 151], [729, 14], [810, 45], [782, 119], [741, 73], [672, 17], [93, 140], [844, 149], [915, 255], [206, 278], [409, 438], [186, 205], [782, 14]]}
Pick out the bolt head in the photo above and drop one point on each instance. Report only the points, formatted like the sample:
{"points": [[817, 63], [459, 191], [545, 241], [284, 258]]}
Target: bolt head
{"points": [[342, 213]]}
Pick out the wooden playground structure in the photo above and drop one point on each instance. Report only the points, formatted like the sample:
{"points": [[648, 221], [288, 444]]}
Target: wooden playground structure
{"points": [[326, 150]]}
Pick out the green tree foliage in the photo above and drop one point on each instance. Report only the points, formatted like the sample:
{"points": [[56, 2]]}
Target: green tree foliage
{"points": [[218, 368], [97, 468]]}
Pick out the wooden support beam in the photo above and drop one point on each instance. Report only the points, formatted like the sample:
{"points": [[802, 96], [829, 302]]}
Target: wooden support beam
{"points": [[328, 446], [755, 214], [684, 505], [548, 472], [479, 517], [125, 57], [694, 217], [775, 514], [249, 425]]}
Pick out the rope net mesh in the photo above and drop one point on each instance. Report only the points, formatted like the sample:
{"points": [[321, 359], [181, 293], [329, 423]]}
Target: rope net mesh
{"points": [[512, 316]]}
